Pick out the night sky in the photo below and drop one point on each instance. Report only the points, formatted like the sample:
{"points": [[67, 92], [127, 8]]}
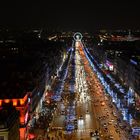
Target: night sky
{"points": [[70, 14]]}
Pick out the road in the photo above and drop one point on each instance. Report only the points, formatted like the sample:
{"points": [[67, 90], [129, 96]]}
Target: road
{"points": [[85, 107], [104, 119]]}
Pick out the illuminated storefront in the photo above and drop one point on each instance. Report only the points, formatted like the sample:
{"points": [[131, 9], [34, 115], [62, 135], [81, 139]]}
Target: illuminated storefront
{"points": [[109, 65]]}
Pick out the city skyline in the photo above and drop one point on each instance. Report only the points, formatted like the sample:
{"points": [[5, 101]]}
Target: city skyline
{"points": [[69, 85]]}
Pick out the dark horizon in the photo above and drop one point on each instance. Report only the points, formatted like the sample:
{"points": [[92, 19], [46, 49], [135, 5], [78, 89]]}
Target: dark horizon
{"points": [[70, 15]]}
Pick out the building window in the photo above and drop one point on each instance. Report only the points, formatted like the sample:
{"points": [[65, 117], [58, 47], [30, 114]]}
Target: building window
{"points": [[1, 137]]}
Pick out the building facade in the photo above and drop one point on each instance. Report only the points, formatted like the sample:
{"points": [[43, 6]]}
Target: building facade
{"points": [[9, 124]]}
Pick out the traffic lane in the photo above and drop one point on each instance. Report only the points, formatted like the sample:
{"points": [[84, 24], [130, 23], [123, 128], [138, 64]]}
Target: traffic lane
{"points": [[85, 122], [93, 111], [96, 87], [109, 117], [98, 98], [89, 114], [100, 114]]}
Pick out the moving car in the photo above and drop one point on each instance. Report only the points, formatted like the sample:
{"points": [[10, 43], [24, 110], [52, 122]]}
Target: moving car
{"points": [[81, 117]]}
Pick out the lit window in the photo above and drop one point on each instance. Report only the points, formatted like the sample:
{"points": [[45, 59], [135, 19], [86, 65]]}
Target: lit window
{"points": [[14, 102], [6, 100], [21, 101], [0, 102]]}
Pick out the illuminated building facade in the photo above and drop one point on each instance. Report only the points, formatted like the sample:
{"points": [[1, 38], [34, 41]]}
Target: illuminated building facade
{"points": [[22, 105]]}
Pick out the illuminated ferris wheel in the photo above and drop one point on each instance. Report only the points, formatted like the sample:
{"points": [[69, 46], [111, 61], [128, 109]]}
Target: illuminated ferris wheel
{"points": [[77, 36]]}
